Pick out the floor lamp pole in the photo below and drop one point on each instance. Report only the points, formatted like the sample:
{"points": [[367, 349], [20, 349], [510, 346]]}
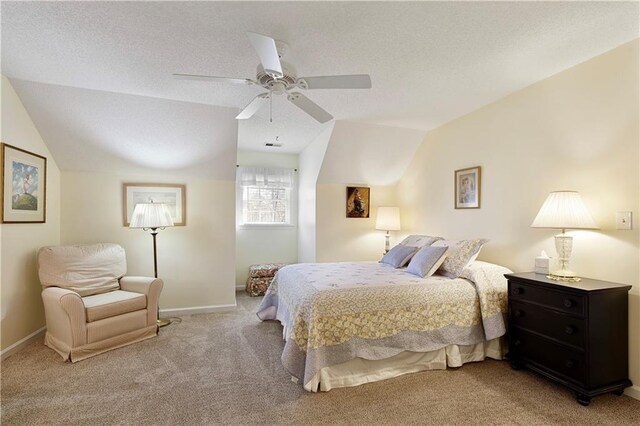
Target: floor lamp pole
{"points": [[154, 232]]}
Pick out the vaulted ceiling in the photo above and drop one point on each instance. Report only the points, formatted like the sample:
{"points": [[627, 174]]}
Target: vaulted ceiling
{"points": [[429, 62]]}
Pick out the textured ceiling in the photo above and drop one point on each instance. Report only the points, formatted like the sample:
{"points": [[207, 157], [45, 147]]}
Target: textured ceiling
{"points": [[429, 62]]}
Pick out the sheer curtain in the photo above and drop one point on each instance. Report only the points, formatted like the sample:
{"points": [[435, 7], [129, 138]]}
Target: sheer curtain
{"points": [[266, 176]]}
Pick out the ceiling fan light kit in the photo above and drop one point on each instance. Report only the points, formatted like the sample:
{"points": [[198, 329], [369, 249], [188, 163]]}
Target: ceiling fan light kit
{"points": [[280, 77]]}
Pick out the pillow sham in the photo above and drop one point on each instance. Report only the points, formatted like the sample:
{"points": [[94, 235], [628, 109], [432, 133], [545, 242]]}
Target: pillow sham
{"points": [[419, 240], [460, 254], [426, 261], [399, 256]]}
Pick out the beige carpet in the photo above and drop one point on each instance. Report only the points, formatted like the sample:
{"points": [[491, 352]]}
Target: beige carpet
{"points": [[225, 369]]}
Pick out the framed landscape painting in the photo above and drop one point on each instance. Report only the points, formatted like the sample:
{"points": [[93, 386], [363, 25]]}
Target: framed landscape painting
{"points": [[467, 192], [357, 201], [24, 186], [171, 195]]}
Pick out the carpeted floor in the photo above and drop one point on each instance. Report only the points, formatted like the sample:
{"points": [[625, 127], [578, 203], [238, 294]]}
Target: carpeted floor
{"points": [[225, 369]]}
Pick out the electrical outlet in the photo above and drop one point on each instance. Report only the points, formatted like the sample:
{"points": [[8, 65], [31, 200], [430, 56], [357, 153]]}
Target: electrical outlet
{"points": [[623, 220]]}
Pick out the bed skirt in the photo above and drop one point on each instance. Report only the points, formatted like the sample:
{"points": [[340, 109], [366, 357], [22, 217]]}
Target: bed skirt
{"points": [[359, 371]]}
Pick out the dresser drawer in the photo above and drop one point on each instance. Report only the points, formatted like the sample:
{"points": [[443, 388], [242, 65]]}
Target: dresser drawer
{"points": [[559, 326], [548, 355], [562, 301]]}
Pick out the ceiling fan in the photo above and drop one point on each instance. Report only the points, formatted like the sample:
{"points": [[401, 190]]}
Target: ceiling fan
{"points": [[279, 78]]}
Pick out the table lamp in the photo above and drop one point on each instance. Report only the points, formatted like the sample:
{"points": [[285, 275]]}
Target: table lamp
{"points": [[388, 220], [564, 210]]}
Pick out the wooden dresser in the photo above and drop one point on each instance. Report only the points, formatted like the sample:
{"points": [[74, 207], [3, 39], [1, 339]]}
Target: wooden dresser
{"points": [[573, 333]]}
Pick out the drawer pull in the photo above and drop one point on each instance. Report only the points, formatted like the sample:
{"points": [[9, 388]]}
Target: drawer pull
{"points": [[568, 303], [569, 329], [517, 291], [569, 363], [519, 313]]}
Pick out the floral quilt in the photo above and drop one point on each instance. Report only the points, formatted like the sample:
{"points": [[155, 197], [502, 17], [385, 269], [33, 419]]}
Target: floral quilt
{"points": [[334, 312]]}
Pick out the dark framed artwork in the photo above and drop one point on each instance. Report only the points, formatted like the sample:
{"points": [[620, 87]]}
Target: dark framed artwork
{"points": [[357, 201], [467, 188], [24, 186]]}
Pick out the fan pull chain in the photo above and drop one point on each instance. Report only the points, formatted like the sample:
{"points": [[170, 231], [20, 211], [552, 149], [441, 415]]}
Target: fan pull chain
{"points": [[270, 107]]}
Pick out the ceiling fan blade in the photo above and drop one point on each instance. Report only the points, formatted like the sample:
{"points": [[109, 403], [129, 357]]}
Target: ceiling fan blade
{"points": [[310, 107], [266, 48], [212, 78], [253, 106], [356, 81]]}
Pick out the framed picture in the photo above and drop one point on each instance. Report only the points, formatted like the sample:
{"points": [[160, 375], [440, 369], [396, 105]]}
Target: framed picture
{"points": [[357, 201], [467, 183], [24, 186], [171, 195]]}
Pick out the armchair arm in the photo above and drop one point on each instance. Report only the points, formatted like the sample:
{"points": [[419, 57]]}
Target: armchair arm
{"points": [[65, 314], [151, 287]]}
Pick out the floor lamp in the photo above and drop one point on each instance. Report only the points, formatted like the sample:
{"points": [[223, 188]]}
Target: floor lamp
{"points": [[152, 217]]}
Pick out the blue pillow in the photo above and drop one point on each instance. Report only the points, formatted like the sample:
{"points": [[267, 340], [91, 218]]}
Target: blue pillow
{"points": [[399, 256], [427, 261]]}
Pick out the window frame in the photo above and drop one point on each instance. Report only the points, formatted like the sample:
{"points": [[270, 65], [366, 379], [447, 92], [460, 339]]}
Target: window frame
{"points": [[293, 209]]}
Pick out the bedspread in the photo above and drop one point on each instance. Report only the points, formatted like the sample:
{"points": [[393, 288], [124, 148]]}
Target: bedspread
{"points": [[334, 312]]}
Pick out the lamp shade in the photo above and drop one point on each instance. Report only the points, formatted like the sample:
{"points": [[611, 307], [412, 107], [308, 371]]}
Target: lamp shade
{"points": [[388, 219], [151, 215], [564, 210]]}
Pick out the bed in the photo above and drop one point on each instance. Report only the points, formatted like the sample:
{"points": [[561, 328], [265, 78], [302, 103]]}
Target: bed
{"points": [[350, 323]]}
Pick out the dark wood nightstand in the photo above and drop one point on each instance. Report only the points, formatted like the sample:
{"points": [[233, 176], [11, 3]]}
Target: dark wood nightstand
{"points": [[573, 333]]}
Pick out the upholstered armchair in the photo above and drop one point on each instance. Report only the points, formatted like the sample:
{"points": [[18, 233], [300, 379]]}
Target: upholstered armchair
{"points": [[90, 306]]}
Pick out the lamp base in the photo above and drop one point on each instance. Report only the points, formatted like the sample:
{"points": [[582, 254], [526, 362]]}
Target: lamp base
{"points": [[162, 322], [564, 244]]}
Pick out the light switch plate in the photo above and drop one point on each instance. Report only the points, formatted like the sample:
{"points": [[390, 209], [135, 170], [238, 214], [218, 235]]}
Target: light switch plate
{"points": [[623, 220]]}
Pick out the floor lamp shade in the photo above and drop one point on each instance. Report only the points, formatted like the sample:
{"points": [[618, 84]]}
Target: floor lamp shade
{"points": [[564, 210], [388, 220], [151, 215]]}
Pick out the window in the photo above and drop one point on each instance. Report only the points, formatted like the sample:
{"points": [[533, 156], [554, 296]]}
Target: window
{"points": [[266, 194]]}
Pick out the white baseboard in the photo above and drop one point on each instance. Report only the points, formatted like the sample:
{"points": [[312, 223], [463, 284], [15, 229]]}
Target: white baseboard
{"points": [[633, 392], [22, 343], [199, 310], [240, 287]]}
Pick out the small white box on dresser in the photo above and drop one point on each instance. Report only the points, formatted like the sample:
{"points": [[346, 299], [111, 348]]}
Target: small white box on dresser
{"points": [[541, 265]]}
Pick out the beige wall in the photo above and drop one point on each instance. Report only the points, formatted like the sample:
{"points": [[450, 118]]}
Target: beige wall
{"points": [[576, 130], [310, 161], [22, 312], [195, 261], [265, 244], [359, 154], [341, 238]]}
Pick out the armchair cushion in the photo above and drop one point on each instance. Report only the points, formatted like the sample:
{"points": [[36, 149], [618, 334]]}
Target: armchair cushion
{"points": [[85, 269], [105, 305]]}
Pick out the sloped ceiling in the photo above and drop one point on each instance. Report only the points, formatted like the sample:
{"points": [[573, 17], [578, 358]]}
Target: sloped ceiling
{"points": [[430, 62], [370, 154], [97, 131]]}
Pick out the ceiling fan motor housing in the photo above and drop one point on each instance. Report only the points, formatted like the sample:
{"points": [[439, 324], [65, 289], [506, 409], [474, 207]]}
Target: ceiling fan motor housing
{"points": [[277, 85]]}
